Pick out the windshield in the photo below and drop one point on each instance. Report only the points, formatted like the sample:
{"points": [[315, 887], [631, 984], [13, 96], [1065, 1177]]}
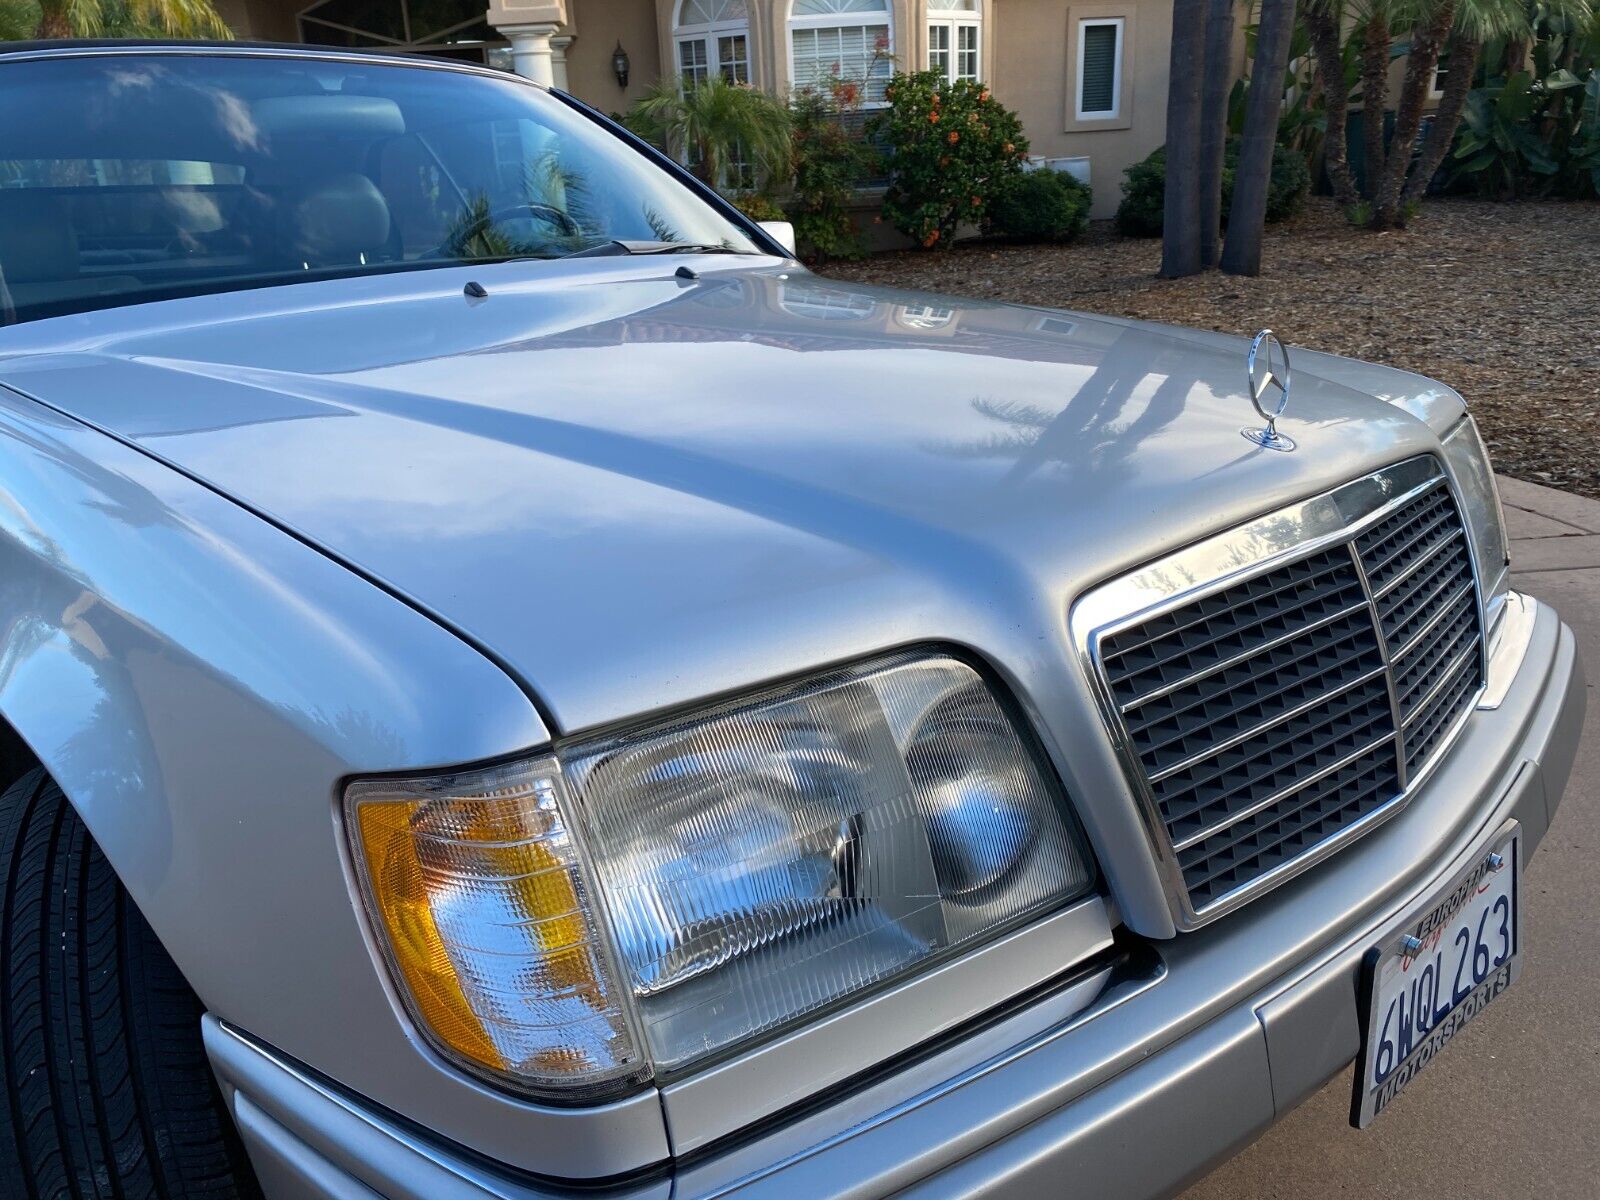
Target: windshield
{"points": [[136, 177]]}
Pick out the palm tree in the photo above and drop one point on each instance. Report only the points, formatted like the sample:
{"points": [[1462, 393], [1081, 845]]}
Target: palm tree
{"points": [[1375, 38], [111, 18], [1478, 22], [1430, 27], [1322, 19], [1214, 89], [1247, 216], [1180, 229], [711, 122]]}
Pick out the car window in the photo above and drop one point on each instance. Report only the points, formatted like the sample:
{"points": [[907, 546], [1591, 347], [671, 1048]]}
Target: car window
{"points": [[135, 177]]}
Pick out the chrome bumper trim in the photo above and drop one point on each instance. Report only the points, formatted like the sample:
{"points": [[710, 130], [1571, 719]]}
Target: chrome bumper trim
{"points": [[1508, 646]]}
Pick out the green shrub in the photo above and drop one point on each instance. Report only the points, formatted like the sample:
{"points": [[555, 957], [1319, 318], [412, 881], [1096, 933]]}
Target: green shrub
{"points": [[1041, 206], [757, 206], [953, 148], [830, 156], [1144, 189], [1288, 184]]}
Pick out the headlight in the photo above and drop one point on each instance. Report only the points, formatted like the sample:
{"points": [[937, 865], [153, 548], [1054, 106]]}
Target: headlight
{"points": [[1468, 461], [635, 905]]}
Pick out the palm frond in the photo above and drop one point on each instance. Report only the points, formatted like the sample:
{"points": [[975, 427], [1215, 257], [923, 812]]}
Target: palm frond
{"points": [[1485, 20], [716, 120], [175, 18], [18, 20]]}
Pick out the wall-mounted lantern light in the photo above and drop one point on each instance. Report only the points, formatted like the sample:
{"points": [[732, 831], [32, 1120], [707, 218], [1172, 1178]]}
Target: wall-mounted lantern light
{"points": [[619, 64]]}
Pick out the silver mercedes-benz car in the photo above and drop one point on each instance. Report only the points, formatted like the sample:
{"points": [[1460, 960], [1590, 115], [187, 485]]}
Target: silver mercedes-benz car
{"points": [[512, 687]]}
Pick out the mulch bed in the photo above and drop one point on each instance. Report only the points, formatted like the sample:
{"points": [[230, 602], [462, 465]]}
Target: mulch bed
{"points": [[1500, 301]]}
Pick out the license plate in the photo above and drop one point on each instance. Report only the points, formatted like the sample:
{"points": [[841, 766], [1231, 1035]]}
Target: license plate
{"points": [[1425, 982]]}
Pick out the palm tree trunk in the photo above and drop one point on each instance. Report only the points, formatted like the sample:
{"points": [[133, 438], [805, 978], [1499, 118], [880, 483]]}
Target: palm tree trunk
{"points": [[709, 167], [1248, 215], [1374, 100], [1322, 27], [1427, 39], [1464, 53], [1217, 82], [1180, 235], [1516, 57], [53, 20]]}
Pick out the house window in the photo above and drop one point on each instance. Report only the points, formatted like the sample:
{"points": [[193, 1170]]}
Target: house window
{"points": [[1100, 68], [712, 35], [926, 316], [819, 303], [845, 39], [953, 38]]}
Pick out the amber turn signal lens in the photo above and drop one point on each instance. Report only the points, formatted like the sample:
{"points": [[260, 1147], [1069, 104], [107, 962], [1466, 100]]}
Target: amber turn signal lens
{"points": [[473, 884]]}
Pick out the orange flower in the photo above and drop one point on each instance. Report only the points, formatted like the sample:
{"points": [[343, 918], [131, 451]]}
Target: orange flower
{"points": [[954, 137], [983, 97], [977, 200], [927, 242], [1009, 148], [933, 118]]}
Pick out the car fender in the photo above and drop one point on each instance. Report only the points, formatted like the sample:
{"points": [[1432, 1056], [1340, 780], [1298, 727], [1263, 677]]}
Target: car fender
{"points": [[200, 682]]}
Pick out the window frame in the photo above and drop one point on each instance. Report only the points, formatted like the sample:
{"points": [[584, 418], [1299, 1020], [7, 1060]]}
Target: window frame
{"points": [[1119, 54], [954, 21], [1441, 66], [710, 36], [842, 20]]}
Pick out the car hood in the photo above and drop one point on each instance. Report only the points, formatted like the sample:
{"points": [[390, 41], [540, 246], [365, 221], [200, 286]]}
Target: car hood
{"points": [[634, 488]]}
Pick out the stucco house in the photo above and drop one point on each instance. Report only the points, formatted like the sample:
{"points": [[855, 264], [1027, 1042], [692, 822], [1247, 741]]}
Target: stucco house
{"points": [[1088, 80]]}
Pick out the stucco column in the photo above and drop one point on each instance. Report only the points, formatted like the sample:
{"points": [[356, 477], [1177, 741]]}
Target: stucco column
{"points": [[558, 60], [531, 53]]}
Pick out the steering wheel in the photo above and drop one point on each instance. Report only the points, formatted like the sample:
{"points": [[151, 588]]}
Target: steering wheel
{"points": [[548, 213]]}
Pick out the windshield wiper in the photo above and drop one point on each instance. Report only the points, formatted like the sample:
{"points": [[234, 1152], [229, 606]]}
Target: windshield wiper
{"points": [[618, 247]]}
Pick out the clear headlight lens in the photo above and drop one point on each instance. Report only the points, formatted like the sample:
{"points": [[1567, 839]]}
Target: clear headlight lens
{"points": [[1468, 461], [749, 865]]}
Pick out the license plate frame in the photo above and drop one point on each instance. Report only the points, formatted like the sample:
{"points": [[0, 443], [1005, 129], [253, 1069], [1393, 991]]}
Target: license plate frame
{"points": [[1436, 924]]}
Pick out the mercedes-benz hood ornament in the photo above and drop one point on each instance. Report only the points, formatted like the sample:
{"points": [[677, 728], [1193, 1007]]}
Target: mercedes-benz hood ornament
{"points": [[1267, 367]]}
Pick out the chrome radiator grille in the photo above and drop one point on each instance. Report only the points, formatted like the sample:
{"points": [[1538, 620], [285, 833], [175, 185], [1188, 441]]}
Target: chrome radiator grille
{"points": [[1274, 718]]}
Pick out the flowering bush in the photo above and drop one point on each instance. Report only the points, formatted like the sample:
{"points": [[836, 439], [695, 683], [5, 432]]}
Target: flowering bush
{"points": [[830, 158], [758, 206], [952, 148]]}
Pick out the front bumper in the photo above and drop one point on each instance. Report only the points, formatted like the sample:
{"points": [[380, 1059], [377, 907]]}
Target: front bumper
{"points": [[1121, 1098]]}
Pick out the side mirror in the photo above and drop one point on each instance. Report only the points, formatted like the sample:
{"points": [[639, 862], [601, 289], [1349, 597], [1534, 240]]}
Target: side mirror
{"points": [[781, 232]]}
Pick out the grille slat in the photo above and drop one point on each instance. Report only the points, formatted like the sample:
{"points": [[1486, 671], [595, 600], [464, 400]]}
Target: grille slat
{"points": [[1276, 722], [1418, 564], [1270, 766], [1252, 697], [1201, 646], [1263, 715], [1353, 791]]}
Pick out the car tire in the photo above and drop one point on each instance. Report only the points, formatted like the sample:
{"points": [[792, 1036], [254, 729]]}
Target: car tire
{"points": [[105, 1089]]}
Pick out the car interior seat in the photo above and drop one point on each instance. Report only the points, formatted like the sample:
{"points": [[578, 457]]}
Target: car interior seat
{"points": [[39, 258], [337, 220]]}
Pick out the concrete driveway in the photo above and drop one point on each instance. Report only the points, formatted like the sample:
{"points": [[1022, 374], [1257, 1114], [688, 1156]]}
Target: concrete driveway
{"points": [[1513, 1107]]}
